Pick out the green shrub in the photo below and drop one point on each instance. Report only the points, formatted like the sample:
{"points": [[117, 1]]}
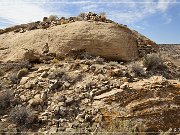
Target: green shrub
{"points": [[153, 61]]}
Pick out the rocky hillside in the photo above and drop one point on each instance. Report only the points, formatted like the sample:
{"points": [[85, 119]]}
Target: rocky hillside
{"points": [[86, 90]]}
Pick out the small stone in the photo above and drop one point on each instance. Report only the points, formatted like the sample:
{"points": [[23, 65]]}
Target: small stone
{"points": [[67, 84], [44, 96], [35, 102], [61, 129], [12, 126], [41, 130], [105, 82], [53, 130], [88, 117], [80, 118], [56, 110], [37, 96], [104, 88], [69, 100], [62, 111], [61, 98], [54, 85], [44, 74], [124, 86], [24, 80], [85, 101], [116, 73], [3, 120], [75, 124], [29, 85], [45, 48], [23, 98], [61, 104]]}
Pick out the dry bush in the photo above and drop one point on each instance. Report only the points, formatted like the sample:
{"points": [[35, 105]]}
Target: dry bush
{"points": [[21, 116], [22, 64], [31, 56], [14, 78], [53, 17], [15, 66], [153, 61], [82, 15], [32, 26], [5, 100], [137, 69], [102, 16], [63, 18]]}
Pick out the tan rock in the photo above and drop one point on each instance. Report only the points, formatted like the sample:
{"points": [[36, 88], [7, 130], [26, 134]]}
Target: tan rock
{"points": [[35, 102], [24, 80], [23, 98], [107, 40], [108, 94]]}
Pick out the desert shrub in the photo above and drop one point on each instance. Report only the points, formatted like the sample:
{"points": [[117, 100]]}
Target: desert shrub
{"points": [[5, 100], [102, 16], [21, 116], [137, 69], [53, 17], [14, 78], [82, 15], [22, 64], [31, 56], [22, 72], [15, 65], [32, 26], [63, 18], [153, 61]]}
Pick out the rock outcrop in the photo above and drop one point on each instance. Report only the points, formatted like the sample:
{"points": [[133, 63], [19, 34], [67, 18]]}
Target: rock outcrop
{"points": [[95, 35]]}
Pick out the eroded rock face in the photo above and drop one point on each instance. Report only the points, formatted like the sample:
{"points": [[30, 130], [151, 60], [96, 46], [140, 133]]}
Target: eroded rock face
{"points": [[107, 40]]}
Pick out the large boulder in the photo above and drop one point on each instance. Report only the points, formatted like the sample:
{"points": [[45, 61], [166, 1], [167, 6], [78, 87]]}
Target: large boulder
{"points": [[108, 40]]}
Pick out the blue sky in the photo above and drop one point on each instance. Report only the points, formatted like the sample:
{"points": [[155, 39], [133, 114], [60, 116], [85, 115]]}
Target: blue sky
{"points": [[159, 20]]}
